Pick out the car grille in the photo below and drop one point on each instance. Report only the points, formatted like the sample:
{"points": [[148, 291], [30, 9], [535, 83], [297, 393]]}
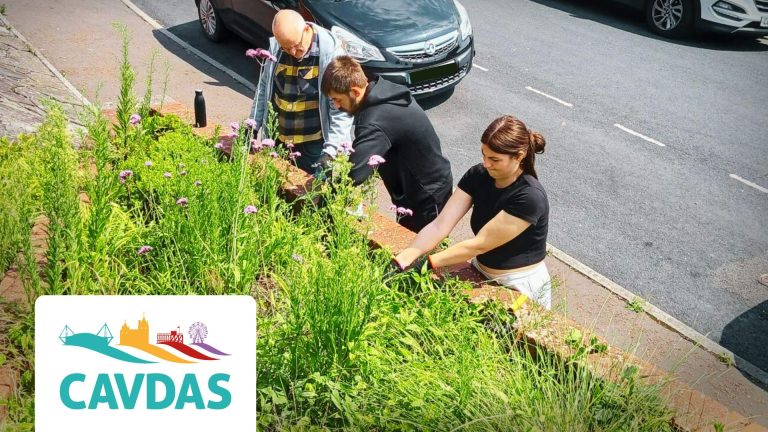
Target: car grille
{"points": [[437, 84], [762, 5], [417, 52]]}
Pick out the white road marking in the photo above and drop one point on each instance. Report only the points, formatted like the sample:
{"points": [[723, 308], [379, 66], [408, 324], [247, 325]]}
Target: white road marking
{"points": [[638, 134], [560, 101], [749, 183], [479, 67], [234, 75]]}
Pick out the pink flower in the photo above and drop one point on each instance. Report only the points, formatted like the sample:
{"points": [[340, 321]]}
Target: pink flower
{"points": [[260, 53], [198, 183], [273, 154], [167, 175], [256, 145], [250, 123], [393, 208], [183, 173], [135, 119], [375, 161], [124, 175], [144, 250], [235, 126], [182, 201], [289, 144], [402, 211], [298, 258], [148, 164], [294, 155], [231, 135], [268, 142], [219, 145], [250, 209], [346, 148]]}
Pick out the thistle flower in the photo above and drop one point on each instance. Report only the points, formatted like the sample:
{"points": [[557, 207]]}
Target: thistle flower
{"points": [[375, 161], [144, 250], [402, 211], [235, 126], [198, 183], [298, 258], [148, 164], [135, 119], [183, 201], [250, 209], [268, 142], [167, 175], [250, 123], [124, 175], [260, 54]]}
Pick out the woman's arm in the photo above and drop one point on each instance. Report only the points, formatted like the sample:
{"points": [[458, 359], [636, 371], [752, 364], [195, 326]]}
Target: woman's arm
{"points": [[457, 206], [499, 230]]}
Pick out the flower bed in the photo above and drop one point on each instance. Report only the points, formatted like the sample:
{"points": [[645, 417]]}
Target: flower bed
{"points": [[168, 213]]}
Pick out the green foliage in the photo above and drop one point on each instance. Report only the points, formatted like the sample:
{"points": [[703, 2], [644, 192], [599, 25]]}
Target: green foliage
{"points": [[3, 9], [726, 359], [636, 305]]}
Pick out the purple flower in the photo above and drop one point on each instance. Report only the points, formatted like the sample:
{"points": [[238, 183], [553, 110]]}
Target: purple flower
{"points": [[250, 209], [346, 148], [235, 126], [219, 145], [124, 175], [260, 53], [273, 154], [256, 145], [198, 183], [393, 208], [231, 135], [148, 164], [182, 201], [268, 142], [144, 250], [402, 211], [298, 258], [135, 119], [289, 144], [294, 155], [183, 173], [167, 175], [375, 161], [250, 123]]}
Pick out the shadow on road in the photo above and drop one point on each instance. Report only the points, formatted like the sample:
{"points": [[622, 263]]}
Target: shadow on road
{"points": [[230, 53], [747, 336], [631, 20]]}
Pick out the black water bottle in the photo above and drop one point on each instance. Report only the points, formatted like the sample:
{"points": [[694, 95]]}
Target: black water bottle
{"points": [[199, 109]]}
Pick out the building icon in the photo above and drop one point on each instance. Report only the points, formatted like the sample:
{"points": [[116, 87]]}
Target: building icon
{"points": [[135, 337], [174, 336]]}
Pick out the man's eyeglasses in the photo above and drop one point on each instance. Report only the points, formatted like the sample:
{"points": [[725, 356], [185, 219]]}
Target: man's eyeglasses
{"points": [[298, 46]]}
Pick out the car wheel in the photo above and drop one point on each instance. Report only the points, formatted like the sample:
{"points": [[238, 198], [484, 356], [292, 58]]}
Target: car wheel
{"points": [[670, 18], [210, 20]]}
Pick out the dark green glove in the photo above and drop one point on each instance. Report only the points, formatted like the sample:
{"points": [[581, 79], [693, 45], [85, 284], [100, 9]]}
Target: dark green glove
{"points": [[323, 167], [421, 263]]}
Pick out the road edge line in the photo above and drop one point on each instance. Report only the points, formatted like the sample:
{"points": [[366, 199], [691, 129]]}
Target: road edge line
{"points": [[205, 57], [660, 316], [45, 61]]}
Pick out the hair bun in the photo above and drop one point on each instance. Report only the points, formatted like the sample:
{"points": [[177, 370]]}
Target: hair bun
{"points": [[538, 142]]}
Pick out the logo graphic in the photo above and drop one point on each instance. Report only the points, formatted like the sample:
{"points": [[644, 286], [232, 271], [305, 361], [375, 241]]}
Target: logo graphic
{"points": [[429, 48], [167, 347]]}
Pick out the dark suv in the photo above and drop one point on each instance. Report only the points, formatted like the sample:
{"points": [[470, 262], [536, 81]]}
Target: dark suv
{"points": [[426, 45]]}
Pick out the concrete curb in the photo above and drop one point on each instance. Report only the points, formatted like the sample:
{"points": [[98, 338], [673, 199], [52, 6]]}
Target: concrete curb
{"points": [[660, 316]]}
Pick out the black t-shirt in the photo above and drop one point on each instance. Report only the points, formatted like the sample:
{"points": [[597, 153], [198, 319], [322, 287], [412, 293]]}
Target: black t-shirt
{"points": [[525, 199]]}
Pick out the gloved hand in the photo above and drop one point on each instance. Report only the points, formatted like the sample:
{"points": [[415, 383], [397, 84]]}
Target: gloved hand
{"points": [[322, 167], [421, 263]]}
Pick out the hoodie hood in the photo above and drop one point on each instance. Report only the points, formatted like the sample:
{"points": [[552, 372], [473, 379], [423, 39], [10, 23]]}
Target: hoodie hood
{"points": [[382, 91]]}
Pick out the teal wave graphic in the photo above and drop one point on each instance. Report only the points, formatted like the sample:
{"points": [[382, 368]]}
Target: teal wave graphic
{"points": [[101, 345]]}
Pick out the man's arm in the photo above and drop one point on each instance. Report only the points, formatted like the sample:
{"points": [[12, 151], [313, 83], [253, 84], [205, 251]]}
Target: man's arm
{"points": [[259, 99], [369, 141]]}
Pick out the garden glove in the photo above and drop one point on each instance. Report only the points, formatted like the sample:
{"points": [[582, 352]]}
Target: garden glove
{"points": [[419, 264], [323, 167]]}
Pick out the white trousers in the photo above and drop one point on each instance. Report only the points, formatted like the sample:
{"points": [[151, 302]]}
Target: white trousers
{"points": [[534, 282]]}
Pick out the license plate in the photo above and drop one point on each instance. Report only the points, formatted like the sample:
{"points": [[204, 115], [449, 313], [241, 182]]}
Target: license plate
{"points": [[434, 73], [764, 21]]}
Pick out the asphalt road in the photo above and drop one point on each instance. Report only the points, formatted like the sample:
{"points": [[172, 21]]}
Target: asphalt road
{"points": [[666, 217]]}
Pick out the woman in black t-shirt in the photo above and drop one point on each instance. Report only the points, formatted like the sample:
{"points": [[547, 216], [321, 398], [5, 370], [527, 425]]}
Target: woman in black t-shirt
{"points": [[510, 214]]}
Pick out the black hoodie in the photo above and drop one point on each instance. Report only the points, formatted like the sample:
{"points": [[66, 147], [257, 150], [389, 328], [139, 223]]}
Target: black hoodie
{"points": [[392, 125]]}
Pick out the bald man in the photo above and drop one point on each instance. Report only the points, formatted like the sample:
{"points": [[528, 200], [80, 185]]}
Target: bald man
{"points": [[306, 118]]}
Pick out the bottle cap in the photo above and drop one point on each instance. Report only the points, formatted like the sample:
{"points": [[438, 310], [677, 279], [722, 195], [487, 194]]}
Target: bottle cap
{"points": [[198, 91]]}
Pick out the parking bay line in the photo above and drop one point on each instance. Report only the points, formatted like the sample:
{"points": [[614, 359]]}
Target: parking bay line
{"points": [[638, 134], [479, 67], [558, 100], [748, 183]]}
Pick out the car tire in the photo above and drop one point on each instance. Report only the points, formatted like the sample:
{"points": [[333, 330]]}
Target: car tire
{"points": [[670, 18], [210, 20]]}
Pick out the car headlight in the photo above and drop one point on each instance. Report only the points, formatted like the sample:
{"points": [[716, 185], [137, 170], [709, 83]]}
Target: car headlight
{"points": [[465, 28], [361, 50]]}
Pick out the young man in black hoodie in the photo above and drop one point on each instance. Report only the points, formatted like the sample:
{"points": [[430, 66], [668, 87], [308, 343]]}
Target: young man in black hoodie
{"points": [[389, 124]]}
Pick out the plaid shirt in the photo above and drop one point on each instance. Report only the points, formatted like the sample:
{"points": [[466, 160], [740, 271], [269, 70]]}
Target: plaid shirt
{"points": [[296, 97]]}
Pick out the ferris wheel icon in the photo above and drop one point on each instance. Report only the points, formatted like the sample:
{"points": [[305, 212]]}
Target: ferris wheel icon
{"points": [[198, 332]]}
